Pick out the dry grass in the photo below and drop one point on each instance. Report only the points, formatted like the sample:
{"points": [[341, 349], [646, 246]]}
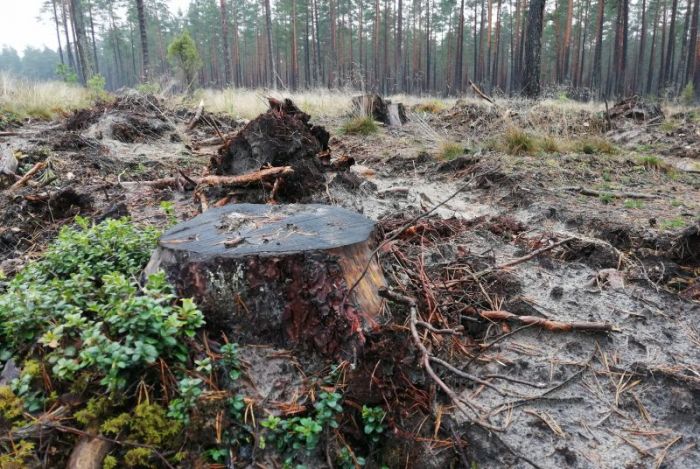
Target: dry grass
{"points": [[40, 99], [248, 103], [449, 151], [360, 126]]}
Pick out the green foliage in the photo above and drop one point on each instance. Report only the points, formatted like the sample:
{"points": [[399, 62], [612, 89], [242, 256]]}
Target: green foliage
{"points": [[688, 94], [449, 151], [65, 73], [183, 55], [347, 460], [95, 409], [518, 142], [138, 457], [148, 88], [606, 198], [672, 224], [633, 203], [109, 462], [216, 454], [18, 454], [168, 209], [372, 418], [360, 126], [11, 405], [295, 434], [230, 361], [96, 85], [83, 304], [189, 390]]}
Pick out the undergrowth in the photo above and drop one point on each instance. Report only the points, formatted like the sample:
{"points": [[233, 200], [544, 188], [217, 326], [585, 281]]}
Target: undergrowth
{"points": [[449, 151], [360, 126], [80, 322]]}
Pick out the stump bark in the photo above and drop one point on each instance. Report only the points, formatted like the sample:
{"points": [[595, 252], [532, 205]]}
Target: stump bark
{"points": [[278, 274], [8, 167], [382, 110]]}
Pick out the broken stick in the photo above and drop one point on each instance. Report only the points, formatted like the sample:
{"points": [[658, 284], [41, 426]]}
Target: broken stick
{"points": [[24, 179], [238, 180]]}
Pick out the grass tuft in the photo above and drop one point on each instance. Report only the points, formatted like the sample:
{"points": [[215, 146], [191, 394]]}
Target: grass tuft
{"points": [[449, 151], [595, 146], [550, 145], [518, 142], [431, 107], [653, 162], [360, 126]]}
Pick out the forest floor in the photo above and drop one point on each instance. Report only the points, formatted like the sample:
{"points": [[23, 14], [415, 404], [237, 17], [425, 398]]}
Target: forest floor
{"points": [[624, 193]]}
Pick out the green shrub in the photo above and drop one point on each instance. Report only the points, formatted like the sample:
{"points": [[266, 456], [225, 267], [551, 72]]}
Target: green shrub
{"points": [[84, 306], [360, 126], [96, 85]]}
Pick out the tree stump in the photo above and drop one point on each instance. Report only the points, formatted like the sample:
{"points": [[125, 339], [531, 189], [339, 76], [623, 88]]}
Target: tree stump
{"points": [[382, 110], [278, 274], [8, 167]]}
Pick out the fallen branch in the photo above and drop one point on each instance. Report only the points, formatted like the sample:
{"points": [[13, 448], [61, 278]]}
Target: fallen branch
{"points": [[481, 94], [24, 179], [197, 115], [238, 180], [620, 195], [548, 324]]}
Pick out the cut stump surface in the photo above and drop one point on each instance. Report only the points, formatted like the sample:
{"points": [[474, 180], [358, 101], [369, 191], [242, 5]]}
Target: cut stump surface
{"points": [[278, 274]]}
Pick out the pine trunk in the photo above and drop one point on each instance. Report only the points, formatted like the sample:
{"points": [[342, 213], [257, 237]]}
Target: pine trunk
{"points": [[533, 49], [144, 40]]}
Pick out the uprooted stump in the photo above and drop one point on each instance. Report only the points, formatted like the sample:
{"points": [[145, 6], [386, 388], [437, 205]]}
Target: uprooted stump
{"points": [[382, 110], [278, 275], [282, 136], [636, 109]]}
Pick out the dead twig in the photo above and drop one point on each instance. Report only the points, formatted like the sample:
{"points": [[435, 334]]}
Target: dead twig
{"points": [[238, 180], [616, 194]]}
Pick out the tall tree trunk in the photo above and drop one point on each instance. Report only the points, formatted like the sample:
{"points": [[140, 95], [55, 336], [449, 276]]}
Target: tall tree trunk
{"points": [[487, 75], [640, 58], [295, 64], [652, 52], [670, 48], [533, 49], [272, 79], [80, 42], [679, 70], [386, 72], [144, 40], [660, 80], [597, 66], [566, 43], [399, 70], [584, 26], [494, 76], [376, 45], [307, 48], [692, 64], [427, 45], [224, 40], [332, 75], [58, 32], [69, 51], [92, 34], [459, 51]]}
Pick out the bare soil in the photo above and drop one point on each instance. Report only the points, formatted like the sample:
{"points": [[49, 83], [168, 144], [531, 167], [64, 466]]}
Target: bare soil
{"points": [[562, 399]]}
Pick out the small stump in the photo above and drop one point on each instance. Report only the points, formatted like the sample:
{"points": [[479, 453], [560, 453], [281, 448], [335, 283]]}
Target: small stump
{"points": [[278, 274]]}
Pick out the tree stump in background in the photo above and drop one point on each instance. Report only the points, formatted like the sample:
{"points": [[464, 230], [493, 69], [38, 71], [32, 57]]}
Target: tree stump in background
{"points": [[382, 110], [278, 274]]}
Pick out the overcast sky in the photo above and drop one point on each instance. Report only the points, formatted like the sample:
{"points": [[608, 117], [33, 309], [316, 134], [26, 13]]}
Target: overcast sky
{"points": [[20, 26]]}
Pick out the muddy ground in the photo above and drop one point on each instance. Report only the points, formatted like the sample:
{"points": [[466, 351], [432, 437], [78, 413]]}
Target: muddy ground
{"points": [[563, 399]]}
